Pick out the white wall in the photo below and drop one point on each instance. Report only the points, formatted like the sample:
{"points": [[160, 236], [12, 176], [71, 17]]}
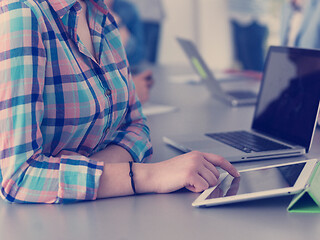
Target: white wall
{"points": [[215, 35], [203, 21], [179, 21]]}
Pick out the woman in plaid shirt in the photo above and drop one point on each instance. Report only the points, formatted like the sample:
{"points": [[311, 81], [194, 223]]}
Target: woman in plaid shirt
{"points": [[69, 117]]}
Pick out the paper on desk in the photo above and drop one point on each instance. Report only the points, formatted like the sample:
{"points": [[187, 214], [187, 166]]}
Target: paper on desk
{"points": [[193, 78], [149, 109], [185, 78]]}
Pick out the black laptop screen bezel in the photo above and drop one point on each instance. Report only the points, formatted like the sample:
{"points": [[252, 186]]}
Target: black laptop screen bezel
{"points": [[294, 137]]}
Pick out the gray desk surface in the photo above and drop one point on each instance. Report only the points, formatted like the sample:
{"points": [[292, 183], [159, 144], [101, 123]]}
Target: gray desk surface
{"points": [[168, 216]]}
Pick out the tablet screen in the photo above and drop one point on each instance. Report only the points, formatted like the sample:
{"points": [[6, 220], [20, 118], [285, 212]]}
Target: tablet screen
{"points": [[258, 180]]}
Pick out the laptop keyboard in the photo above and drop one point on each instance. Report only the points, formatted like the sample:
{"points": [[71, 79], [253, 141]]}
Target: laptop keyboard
{"points": [[246, 141], [242, 94]]}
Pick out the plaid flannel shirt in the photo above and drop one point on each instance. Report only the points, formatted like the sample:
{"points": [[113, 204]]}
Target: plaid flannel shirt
{"points": [[55, 96]]}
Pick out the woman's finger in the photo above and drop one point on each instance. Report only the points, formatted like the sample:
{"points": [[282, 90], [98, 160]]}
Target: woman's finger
{"points": [[212, 168], [222, 163], [208, 176], [196, 183]]}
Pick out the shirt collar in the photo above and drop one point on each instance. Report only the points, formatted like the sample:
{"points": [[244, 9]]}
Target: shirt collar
{"points": [[61, 7]]}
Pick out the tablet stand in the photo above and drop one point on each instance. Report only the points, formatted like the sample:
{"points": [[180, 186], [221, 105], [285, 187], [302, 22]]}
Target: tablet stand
{"points": [[308, 201]]}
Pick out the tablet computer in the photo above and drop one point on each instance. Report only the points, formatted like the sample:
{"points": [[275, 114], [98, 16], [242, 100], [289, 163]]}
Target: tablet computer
{"points": [[257, 183]]}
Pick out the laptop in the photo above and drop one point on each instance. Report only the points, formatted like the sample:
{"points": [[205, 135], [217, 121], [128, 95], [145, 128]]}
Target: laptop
{"points": [[234, 97], [285, 116]]}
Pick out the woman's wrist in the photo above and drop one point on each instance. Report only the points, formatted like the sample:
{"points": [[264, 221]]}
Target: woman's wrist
{"points": [[116, 180], [143, 177]]}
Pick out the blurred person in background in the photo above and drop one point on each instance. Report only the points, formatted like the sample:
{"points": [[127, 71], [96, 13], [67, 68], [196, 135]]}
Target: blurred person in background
{"points": [[152, 15], [250, 32], [300, 24]]}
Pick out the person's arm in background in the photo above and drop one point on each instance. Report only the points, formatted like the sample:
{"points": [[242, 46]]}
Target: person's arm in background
{"points": [[143, 82]]}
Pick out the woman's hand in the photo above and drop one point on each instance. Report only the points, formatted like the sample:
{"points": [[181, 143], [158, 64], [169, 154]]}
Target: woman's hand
{"points": [[195, 171], [143, 82]]}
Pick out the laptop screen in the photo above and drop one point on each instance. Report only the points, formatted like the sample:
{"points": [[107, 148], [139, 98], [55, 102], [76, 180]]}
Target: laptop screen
{"points": [[198, 64], [289, 96]]}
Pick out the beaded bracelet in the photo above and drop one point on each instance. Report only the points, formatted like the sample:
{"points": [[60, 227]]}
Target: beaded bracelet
{"points": [[131, 176]]}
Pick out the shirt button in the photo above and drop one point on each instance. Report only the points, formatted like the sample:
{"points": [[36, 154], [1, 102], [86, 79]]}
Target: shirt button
{"points": [[108, 92]]}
